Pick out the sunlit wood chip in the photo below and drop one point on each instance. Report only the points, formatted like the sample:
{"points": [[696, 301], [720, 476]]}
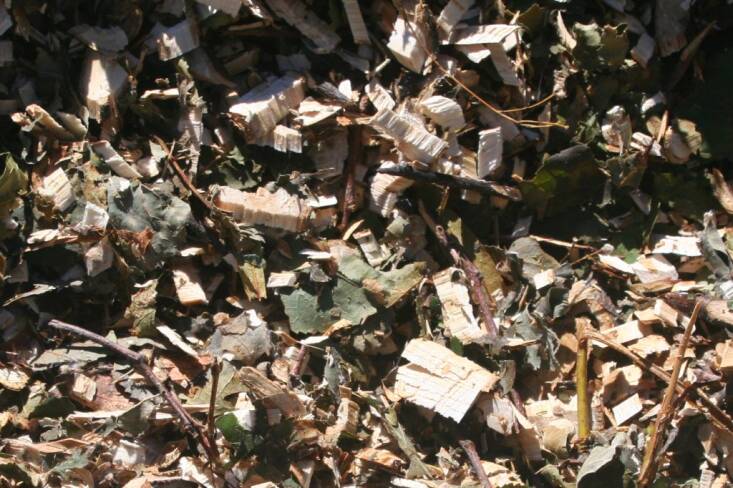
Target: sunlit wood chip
{"points": [[458, 316], [379, 96], [259, 110], [188, 285], [356, 22], [104, 150], [373, 252], [443, 111], [406, 47], [490, 146], [283, 139], [177, 40], [451, 15], [57, 187], [440, 380], [83, 389], [630, 331], [626, 410], [414, 141]]}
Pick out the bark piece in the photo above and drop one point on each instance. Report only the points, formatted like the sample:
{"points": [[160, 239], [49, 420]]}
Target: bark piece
{"points": [[260, 109], [415, 142], [438, 379], [295, 13], [443, 111], [458, 316]]}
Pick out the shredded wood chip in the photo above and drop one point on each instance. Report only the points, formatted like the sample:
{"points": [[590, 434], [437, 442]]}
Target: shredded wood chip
{"points": [[440, 380]]}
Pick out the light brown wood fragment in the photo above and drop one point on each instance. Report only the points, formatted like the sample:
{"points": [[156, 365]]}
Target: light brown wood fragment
{"points": [[188, 285], [379, 96], [624, 333], [83, 389], [438, 379], [451, 15], [356, 22], [58, 187], [481, 34], [626, 410], [261, 108], [384, 191], [458, 315], [726, 359], [668, 315], [283, 139], [413, 140], [370, 247], [406, 47], [443, 111], [490, 149], [177, 40], [271, 394]]}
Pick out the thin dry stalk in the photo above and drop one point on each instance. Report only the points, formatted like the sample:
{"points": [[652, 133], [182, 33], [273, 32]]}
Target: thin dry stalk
{"points": [[649, 466], [581, 381]]}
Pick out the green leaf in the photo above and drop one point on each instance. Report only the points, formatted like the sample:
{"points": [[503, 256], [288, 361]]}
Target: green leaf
{"points": [[241, 439], [12, 181], [565, 180], [600, 47]]}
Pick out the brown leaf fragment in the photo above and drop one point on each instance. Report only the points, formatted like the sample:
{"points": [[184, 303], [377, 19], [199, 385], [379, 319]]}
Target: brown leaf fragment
{"points": [[722, 190]]}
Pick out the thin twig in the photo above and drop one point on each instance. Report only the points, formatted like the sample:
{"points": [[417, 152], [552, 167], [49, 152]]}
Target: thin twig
{"points": [[211, 431], [475, 461], [478, 292], [443, 179], [719, 417], [179, 172], [581, 380], [649, 466], [356, 154], [189, 424]]}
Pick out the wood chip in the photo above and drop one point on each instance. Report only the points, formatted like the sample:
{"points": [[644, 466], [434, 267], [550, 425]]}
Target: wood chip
{"points": [[438, 379], [451, 15], [356, 22], [406, 47], [178, 40], [443, 111], [379, 96], [726, 359], [188, 286], [490, 148], [458, 315], [373, 252], [628, 409], [58, 187], [625, 333], [259, 110], [415, 142]]}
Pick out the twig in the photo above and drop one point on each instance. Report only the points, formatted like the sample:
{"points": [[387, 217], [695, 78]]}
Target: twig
{"points": [[189, 424], [649, 466], [479, 295], [719, 417], [481, 186], [475, 461], [356, 154], [211, 428], [581, 381], [179, 172]]}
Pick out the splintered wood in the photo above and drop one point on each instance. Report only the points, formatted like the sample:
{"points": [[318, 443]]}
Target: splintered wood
{"points": [[455, 302], [415, 142], [259, 110], [406, 47], [356, 22], [443, 111], [188, 286], [440, 380], [278, 210]]}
